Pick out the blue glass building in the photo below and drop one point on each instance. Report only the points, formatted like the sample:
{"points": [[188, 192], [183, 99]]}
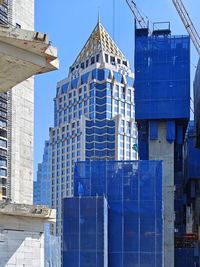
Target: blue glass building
{"points": [[94, 113], [133, 231], [42, 186]]}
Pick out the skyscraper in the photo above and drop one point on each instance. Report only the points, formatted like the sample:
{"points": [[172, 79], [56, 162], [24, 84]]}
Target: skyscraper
{"points": [[41, 195], [16, 118], [94, 113]]}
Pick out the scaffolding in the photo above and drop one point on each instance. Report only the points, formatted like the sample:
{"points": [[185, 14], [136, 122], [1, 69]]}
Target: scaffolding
{"points": [[133, 190]]}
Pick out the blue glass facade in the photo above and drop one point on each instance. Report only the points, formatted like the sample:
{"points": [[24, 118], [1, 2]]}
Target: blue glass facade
{"points": [[100, 139], [133, 190], [42, 187]]}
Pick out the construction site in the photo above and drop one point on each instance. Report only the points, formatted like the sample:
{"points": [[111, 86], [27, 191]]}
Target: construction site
{"points": [[145, 213]]}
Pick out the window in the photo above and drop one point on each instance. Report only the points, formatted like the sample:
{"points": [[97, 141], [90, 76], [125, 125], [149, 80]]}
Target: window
{"points": [[106, 58], [82, 65], [122, 126], [3, 143], [116, 94], [3, 163], [129, 95], [3, 172], [122, 95], [125, 63], [112, 60], [122, 108], [128, 127], [97, 58], [92, 60]]}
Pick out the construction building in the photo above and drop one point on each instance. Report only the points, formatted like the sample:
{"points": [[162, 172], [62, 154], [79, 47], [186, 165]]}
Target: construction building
{"points": [[94, 113], [17, 117], [187, 244], [115, 218], [162, 97]]}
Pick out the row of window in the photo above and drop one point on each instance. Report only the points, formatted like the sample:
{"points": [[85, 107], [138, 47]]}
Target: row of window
{"points": [[85, 64], [78, 95]]}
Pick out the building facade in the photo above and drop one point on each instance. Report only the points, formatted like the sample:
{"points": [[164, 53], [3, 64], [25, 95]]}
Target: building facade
{"points": [[17, 117], [94, 113], [126, 229]]}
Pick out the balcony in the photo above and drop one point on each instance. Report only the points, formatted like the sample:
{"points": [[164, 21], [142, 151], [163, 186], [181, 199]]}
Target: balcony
{"points": [[23, 54]]}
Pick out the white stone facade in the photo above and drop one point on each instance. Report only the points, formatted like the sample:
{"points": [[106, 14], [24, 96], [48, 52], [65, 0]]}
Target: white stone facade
{"points": [[21, 249], [22, 234]]}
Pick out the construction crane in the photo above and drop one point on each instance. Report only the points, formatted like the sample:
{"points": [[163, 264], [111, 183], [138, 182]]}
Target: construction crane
{"points": [[141, 20], [188, 23]]}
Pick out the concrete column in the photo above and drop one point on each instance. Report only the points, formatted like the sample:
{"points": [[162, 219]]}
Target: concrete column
{"points": [[161, 149]]}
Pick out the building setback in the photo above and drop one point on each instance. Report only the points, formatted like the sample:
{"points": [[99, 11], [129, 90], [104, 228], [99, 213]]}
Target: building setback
{"points": [[93, 114]]}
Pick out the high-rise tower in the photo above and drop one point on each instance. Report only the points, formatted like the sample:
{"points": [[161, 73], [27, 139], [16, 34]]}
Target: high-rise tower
{"points": [[16, 118], [94, 113]]}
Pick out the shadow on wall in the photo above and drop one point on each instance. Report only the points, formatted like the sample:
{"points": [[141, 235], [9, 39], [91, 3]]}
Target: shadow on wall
{"points": [[20, 248]]}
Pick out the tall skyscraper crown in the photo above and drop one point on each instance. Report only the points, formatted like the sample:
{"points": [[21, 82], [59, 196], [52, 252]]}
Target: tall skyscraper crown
{"points": [[99, 48]]}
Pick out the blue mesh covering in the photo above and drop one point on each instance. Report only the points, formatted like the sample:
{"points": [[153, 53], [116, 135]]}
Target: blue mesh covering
{"points": [[85, 232], [197, 104], [192, 154], [162, 77], [184, 257], [133, 190]]}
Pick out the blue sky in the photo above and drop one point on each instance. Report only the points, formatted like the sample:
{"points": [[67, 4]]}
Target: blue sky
{"points": [[69, 24]]}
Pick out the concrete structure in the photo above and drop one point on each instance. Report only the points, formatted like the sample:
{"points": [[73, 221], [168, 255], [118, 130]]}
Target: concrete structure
{"points": [[18, 119], [23, 53], [21, 234], [94, 113], [19, 114]]}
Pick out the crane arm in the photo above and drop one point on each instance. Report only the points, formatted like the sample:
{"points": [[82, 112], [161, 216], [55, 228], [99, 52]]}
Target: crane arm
{"points": [[137, 14], [188, 23]]}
